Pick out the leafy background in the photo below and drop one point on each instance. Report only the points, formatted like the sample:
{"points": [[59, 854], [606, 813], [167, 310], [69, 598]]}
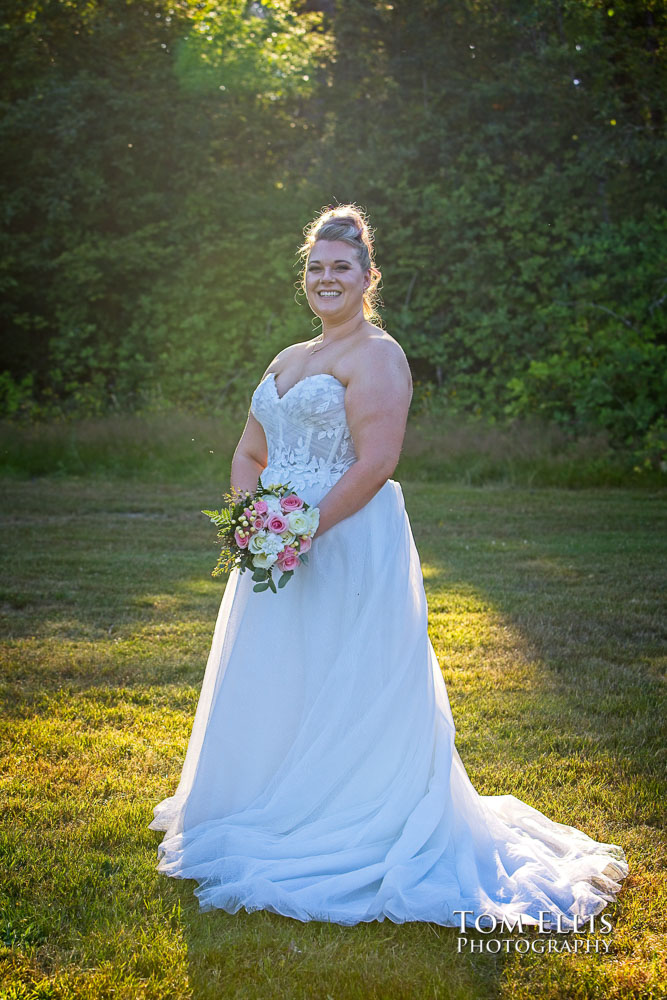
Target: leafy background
{"points": [[161, 159]]}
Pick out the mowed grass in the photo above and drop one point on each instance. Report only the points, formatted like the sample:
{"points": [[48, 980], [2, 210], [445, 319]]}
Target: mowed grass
{"points": [[545, 613]]}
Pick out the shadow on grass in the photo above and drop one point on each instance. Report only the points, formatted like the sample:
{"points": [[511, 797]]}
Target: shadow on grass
{"points": [[266, 956]]}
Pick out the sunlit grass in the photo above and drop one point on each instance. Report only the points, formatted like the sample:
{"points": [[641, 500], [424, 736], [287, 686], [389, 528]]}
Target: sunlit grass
{"points": [[545, 612]]}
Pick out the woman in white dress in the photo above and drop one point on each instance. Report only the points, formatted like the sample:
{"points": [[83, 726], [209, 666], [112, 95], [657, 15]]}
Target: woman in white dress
{"points": [[321, 779]]}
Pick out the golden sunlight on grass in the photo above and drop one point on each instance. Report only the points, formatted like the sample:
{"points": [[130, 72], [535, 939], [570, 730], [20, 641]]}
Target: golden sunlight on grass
{"points": [[553, 656]]}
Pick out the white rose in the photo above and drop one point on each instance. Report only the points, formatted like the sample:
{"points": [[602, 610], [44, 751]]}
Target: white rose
{"points": [[288, 537], [264, 560], [257, 543], [313, 519], [298, 522]]}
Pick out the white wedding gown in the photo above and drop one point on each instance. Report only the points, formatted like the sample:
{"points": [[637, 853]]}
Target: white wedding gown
{"points": [[321, 779]]}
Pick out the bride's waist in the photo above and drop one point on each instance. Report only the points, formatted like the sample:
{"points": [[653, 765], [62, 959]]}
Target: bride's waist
{"points": [[310, 479]]}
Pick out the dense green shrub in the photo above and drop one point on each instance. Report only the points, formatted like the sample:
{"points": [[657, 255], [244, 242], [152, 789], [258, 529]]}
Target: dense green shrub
{"points": [[164, 159]]}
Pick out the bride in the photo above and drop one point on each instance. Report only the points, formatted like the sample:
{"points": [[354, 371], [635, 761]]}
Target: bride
{"points": [[321, 779]]}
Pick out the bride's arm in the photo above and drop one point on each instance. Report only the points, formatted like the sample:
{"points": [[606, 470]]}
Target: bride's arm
{"points": [[377, 400], [250, 456]]}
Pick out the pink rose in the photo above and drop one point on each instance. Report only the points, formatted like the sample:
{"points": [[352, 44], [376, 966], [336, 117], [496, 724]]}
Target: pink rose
{"points": [[241, 541], [306, 542], [249, 513], [287, 559], [257, 523], [261, 506], [291, 502], [277, 523]]}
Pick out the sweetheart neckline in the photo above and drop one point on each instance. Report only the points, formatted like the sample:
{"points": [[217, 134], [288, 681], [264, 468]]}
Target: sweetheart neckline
{"points": [[304, 379]]}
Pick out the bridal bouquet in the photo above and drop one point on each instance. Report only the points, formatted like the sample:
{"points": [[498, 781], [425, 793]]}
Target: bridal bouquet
{"points": [[269, 529]]}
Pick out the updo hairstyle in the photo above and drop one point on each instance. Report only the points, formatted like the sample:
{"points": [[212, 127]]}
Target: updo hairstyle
{"points": [[349, 224]]}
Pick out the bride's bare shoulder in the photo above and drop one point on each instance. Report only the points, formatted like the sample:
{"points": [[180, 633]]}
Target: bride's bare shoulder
{"points": [[283, 358], [381, 356]]}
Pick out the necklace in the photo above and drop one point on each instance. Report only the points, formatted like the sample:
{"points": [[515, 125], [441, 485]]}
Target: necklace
{"points": [[320, 340], [314, 350]]}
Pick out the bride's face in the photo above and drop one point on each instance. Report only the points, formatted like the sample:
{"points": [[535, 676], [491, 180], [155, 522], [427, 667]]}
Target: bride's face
{"points": [[335, 282]]}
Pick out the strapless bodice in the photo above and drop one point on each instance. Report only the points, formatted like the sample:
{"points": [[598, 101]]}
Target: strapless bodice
{"points": [[308, 438]]}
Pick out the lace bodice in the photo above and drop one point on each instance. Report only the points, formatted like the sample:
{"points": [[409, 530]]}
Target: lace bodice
{"points": [[309, 441]]}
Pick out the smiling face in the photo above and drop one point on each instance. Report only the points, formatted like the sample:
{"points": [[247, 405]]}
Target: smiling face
{"points": [[334, 280]]}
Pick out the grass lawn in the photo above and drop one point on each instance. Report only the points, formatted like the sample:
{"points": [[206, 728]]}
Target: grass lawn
{"points": [[545, 613]]}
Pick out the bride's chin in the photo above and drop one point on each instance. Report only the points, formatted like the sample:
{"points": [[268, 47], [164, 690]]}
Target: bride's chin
{"points": [[326, 313]]}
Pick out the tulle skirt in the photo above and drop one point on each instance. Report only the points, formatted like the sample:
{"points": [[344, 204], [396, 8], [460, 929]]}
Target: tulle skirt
{"points": [[321, 779]]}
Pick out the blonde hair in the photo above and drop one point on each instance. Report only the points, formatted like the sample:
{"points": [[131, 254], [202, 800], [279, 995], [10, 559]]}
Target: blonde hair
{"points": [[349, 224]]}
